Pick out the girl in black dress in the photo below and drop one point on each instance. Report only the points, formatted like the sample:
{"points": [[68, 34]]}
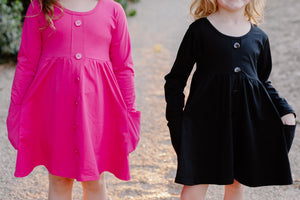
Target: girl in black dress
{"points": [[234, 129]]}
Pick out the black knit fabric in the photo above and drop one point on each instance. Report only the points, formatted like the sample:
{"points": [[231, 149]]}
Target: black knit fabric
{"points": [[230, 127]]}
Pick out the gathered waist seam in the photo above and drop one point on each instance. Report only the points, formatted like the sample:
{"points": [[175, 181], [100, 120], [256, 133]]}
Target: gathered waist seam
{"points": [[71, 57]]}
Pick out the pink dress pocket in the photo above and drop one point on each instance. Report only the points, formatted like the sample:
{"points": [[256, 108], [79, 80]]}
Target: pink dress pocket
{"points": [[134, 125], [13, 124]]}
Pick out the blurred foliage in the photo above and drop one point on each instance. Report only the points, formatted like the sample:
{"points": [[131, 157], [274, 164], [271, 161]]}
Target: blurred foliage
{"points": [[11, 27], [25, 4], [124, 3]]}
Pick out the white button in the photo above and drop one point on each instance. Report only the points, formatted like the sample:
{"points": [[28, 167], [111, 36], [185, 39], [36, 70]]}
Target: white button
{"points": [[78, 56], [236, 45], [237, 70], [78, 23]]}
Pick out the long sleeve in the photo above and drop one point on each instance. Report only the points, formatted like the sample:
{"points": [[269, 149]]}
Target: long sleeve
{"points": [[28, 56], [177, 78], [28, 59], [120, 54], [264, 70]]}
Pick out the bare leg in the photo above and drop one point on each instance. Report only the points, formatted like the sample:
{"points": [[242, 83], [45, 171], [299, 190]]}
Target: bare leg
{"points": [[196, 192], [94, 190], [234, 191], [60, 188]]}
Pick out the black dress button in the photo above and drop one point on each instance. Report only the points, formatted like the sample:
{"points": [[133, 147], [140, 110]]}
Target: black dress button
{"points": [[237, 70], [236, 45]]}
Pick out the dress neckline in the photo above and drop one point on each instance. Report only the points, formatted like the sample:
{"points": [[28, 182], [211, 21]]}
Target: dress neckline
{"points": [[229, 36], [83, 12]]}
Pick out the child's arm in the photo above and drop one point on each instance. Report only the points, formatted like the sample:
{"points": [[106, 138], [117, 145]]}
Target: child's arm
{"points": [[175, 84], [120, 54], [177, 78], [264, 70], [28, 56]]}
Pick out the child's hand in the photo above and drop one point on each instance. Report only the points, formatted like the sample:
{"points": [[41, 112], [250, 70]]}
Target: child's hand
{"points": [[288, 119]]}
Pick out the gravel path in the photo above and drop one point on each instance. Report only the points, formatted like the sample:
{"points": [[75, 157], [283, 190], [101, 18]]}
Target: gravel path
{"points": [[153, 164]]}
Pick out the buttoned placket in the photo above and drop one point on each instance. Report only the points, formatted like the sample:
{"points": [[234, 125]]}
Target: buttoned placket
{"points": [[236, 87], [77, 39], [236, 60], [78, 52]]}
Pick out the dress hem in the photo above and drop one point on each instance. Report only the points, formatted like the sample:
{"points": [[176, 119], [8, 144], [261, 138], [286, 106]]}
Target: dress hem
{"points": [[82, 178], [190, 182], [265, 183]]}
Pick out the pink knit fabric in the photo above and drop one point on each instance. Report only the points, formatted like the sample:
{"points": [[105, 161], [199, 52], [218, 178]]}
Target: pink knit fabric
{"points": [[73, 99]]}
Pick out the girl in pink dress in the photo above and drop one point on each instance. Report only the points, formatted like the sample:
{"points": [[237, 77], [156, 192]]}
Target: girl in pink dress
{"points": [[73, 99]]}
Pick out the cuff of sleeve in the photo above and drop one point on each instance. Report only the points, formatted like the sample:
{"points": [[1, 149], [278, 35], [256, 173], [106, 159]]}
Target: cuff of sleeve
{"points": [[285, 112]]}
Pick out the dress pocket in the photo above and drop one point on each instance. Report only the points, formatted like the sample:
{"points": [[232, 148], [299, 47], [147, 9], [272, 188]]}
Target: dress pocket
{"points": [[289, 133], [134, 126], [13, 124], [175, 128]]}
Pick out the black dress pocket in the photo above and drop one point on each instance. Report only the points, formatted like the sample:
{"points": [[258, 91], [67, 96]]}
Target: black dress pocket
{"points": [[175, 127], [289, 133]]}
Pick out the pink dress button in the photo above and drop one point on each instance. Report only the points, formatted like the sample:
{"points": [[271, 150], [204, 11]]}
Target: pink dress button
{"points": [[78, 56], [78, 23], [77, 79]]}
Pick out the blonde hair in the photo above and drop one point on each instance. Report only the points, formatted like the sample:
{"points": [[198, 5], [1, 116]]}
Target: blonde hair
{"points": [[47, 7], [254, 10]]}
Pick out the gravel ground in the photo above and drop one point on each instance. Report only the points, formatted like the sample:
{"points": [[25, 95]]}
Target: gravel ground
{"points": [[162, 23]]}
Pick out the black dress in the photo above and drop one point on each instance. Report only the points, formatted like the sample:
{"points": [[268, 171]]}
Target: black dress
{"points": [[230, 127]]}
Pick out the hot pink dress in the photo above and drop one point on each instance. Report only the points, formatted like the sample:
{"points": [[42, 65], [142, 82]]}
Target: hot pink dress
{"points": [[73, 99]]}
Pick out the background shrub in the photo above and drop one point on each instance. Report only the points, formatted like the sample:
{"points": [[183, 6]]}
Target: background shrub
{"points": [[124, 3], [11, 27]]}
